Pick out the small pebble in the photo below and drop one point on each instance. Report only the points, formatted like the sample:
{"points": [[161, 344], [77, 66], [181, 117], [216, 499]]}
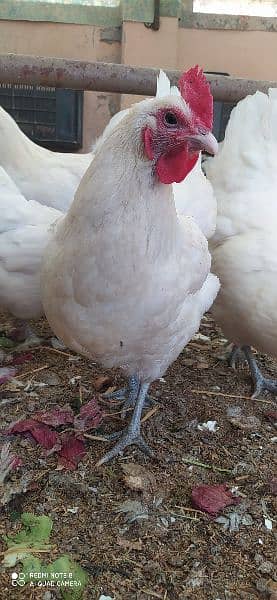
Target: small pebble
{"points": [[51, 379], [233, 411], [261, 585], [266, 567]]}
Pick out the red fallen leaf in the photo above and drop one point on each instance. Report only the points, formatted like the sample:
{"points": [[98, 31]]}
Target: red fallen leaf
{"points": [[57, 416], [17, 334], [271, 416], [46, 437], [90, 416], [6, 373], [21, 426], [17, 462], [43, 435], [71, 452], [20, 359], [213, 498]]}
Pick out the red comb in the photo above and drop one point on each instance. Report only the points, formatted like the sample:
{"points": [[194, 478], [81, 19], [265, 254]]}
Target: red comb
{"points": [[196, 92]]}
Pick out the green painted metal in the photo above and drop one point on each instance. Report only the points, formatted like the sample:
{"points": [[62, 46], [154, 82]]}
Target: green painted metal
{"points": [[75, 12], [171, 8], [85, 12], [139, 10]]}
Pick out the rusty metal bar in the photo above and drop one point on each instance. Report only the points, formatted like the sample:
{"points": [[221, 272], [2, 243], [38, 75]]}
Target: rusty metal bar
{"points": [[110, 77]]}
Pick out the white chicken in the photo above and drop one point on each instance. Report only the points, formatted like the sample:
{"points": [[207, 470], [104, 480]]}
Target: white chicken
{"points": [[50, 178], [25, 228], [244, 248], [125, 280], [194, 196]]}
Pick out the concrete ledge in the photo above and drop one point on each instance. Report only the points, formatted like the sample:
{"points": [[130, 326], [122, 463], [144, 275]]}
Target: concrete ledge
{"points": [[230, 22], [83, 14], [129, 10]]}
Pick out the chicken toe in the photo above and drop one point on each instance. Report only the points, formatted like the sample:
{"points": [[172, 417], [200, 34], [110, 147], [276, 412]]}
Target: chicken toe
{"points": [[261, 383]]}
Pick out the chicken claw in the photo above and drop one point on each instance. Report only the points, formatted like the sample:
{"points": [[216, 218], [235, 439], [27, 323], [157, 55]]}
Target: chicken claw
{"points": [[131, 436], [261, 383]]}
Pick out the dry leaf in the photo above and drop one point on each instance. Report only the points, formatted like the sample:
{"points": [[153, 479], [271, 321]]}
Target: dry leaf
{"points": [[271, 415], [6, 373], [102, 382], [129, 544], [213, 498], [138, 478], [246, 423], [10, 489], [55, 417], [71, 452], [20, 359], [90, 416], [188, 362], [272, 589], [8, 461], [46, 437], [134, 510], [202, 365]]}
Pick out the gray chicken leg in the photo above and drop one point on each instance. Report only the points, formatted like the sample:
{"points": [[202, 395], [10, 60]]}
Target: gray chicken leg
{"points": [[131, 436], [129, 394], [236, 357], [261, 383]]}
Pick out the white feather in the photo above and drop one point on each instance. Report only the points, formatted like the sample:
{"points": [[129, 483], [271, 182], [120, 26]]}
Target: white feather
{"points": [[25, 229], [244, 248], [50, 178], [125, 280], [194, 196]]}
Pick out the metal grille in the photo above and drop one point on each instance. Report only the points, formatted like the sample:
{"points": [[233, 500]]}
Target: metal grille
{"points": [[50, 117]]}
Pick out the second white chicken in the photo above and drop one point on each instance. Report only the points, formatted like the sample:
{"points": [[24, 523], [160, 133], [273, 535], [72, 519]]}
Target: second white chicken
{"points": [[50, 178], [244, 248]]}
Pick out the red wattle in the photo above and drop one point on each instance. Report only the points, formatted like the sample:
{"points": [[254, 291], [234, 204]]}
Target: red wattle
{"points": [[174, 167]]}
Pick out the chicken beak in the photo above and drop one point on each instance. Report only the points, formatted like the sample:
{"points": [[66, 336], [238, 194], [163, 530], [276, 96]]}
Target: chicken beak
{"points": [[204, 141]]}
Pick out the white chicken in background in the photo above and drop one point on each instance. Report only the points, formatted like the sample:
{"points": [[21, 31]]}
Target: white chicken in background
{"points": [[194, 196], [125, 280], [244, 248], [25, 228], [50, 178]]}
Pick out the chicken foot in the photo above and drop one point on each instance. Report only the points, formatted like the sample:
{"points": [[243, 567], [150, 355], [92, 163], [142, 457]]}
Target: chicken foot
{"points": [[236, 357], [25, 336], [131, 436], [129, 394], [261, 383]]}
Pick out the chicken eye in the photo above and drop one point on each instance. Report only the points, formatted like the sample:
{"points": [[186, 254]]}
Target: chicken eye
{"points": [[170, 118]]}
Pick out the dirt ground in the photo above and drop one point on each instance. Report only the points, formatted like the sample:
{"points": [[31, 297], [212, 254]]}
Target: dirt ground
{"points": [[170, 551]]}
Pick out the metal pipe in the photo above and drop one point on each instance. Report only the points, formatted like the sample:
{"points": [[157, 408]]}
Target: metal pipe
{"points": [[111, 77]]}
